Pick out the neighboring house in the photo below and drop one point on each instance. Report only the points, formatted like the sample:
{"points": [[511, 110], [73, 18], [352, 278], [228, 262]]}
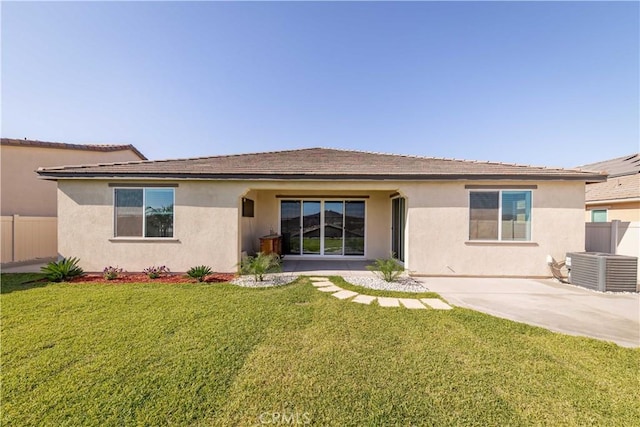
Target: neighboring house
{"points": [[617, 198], [439, 216], [34, 200], [613, 208]]}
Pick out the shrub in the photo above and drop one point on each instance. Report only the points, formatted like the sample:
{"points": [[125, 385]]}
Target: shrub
{"points": [[154, 272], [199, 272], [110, 273], [388, 269], [260, 265], [62, 270]]}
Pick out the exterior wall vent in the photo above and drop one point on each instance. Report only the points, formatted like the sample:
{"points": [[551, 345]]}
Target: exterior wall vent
{"points": [[603, 272]]}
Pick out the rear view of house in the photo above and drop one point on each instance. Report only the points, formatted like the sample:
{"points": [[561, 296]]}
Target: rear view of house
{"points": [[438, 216]]}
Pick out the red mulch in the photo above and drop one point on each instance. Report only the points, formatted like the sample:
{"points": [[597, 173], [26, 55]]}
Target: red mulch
{"points": [[143, 278]]}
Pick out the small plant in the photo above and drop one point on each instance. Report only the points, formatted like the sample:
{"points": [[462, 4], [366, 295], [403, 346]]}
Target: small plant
{"points": [[199, 272], [154, 272], [110, 273], [260, 265], [388, 269], [62, 270]]}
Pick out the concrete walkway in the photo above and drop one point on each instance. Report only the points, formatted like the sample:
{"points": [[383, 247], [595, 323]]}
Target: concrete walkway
{"points": [[324, 285], [549, 304]]}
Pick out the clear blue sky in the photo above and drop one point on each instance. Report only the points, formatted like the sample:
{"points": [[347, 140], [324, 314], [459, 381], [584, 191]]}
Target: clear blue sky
{"points": [[543, 83]]}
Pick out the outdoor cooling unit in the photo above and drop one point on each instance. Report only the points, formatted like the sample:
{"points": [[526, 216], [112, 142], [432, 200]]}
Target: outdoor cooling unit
{"points": [[603, 272]]}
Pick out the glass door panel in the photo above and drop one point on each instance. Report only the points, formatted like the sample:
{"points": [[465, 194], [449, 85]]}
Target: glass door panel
{"points": [[333, 228], [290, 226], [311, 228], [354, 228]]}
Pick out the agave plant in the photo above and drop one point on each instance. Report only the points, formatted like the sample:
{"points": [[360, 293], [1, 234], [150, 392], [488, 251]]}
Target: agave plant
{"points": [[199, 272], [62, 270]]}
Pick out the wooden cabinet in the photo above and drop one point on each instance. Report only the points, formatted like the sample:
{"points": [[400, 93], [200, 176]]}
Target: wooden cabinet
{"points": [[271, 244]]}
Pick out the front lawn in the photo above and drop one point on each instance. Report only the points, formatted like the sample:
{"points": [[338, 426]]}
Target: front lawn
{"points": [[216, 354]]}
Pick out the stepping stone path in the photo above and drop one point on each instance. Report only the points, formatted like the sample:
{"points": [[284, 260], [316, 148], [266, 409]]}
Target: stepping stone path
{"points": [[324, 285]]}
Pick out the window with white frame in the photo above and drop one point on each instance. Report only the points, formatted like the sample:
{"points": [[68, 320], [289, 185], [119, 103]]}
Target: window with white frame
{"points": [[500, 215], [143, 212], [599, 215]]}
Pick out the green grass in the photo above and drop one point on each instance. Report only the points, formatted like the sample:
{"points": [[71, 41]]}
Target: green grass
{"points": [[339, 281], [215, 354]]}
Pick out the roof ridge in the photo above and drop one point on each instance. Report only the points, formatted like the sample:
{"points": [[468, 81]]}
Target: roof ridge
{"points": [[417, 156]]}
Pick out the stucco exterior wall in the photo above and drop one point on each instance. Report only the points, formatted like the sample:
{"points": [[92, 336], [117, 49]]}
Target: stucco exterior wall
{"points": [[438, 226], [250, 242], [23, 193], [210, 230], [206, 228]]}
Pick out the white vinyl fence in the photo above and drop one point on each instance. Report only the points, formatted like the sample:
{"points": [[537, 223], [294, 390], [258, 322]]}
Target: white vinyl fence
{"points": [[27, 238]]}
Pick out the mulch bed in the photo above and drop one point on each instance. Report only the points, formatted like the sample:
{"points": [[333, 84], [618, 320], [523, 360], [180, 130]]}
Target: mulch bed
{"points": [[143, 278]]}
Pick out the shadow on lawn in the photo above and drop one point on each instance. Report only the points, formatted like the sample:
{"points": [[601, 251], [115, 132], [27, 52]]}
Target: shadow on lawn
{"points": [[11, 282]]}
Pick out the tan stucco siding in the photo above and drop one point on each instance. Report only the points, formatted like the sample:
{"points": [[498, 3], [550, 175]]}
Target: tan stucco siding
{"points": [[206, 228], [23, 193], [249, 227], [622, 211], [210, 230], [438, 231]]}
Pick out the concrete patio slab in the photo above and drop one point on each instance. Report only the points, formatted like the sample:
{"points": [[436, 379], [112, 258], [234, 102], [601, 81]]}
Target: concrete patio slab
{"points": [[544, 302], [388, 302], [436, 303], [364, 299], [332, 288], [412, 303], [324, 268], [344, 294]]}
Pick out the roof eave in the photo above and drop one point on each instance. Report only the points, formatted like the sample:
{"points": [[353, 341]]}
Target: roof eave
{"points": [[60, 174]]}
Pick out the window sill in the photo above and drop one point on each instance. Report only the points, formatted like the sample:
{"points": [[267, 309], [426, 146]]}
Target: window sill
{"points": [[144, 240], [499, 243]]}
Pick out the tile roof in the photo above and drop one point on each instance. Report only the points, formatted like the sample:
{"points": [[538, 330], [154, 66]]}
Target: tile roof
{"points": [[65, 146], [625, 165], [318, 163], [616, 188]]}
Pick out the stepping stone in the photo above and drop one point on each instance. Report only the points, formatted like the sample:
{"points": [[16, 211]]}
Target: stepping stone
{"points": [[344, 294], [436, 303], [412, 303], [330, 289], [363, 299], [318, 279], [388, 302], [322, 284]]}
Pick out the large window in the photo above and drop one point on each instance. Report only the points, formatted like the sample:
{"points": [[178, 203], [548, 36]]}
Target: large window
{"points": [[500, 215], [143, 212]]}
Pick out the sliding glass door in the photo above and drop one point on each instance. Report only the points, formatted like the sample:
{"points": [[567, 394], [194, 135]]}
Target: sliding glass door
{"points": [[323, 227]]}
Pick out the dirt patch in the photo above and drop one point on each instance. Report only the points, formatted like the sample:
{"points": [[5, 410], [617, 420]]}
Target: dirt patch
{"points": [[143, 278]]}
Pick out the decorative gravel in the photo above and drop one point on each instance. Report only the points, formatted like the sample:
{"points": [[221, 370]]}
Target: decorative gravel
{"points": [[404, 284], [270, 280]]}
